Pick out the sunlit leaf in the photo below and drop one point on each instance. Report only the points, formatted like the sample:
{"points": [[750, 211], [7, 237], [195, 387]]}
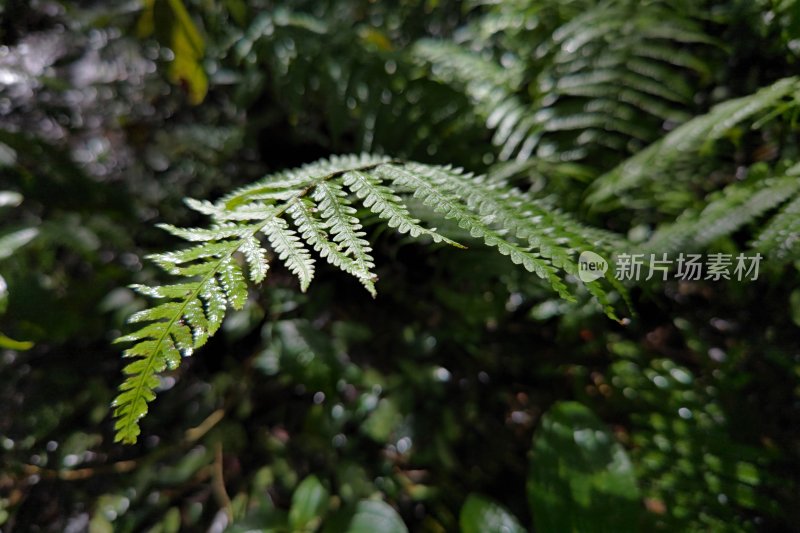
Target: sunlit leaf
{"points": [[580, 478], [372, 516], [482, 515], [309, 503], [173, 27]]}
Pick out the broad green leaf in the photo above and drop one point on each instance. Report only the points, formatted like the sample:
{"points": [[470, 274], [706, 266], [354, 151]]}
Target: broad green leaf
{"points": [[11, 242], [11, 344], [309, 503], [173, 27], [188, 46], [482, 515], [375, 516], [382, 421], [8, 156], [580, 478], [9, 198]]}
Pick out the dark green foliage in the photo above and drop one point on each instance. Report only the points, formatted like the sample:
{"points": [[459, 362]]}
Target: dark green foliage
{"points": [[660, 161], [480, 515], [605, 75], [468, 383], [309, 502], [581, 479]]}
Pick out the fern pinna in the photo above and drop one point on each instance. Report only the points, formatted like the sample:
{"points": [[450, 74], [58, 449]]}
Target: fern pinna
{"points": [[313, 207]]}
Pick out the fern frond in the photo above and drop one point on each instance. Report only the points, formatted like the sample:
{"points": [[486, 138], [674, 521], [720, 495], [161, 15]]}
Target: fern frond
{"points": [[604, 75], [368, 94], [426, 181], [655, 161], [161, 343], [554, 236], [735, 206], [781, 238], [490, 87], [288, 182], [316, 209], [387, 205]]}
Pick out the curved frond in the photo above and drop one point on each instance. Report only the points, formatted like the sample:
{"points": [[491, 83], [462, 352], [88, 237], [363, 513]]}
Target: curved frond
{"points": [[655, 161], [734, 207], [606, 76], [781, 237], [315, 208]]}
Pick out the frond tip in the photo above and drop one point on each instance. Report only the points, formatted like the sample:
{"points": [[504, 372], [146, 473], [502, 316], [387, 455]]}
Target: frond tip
{"points": [[315, 208]]}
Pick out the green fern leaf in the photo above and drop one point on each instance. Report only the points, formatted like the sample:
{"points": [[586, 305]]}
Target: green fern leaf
{"points": [[607, 75], [781, 237], [233, 285], [387, 205], [313, 231], [339, 220], [314, 207], [736, 206], [257, 264], [290, 250], [654, 162]]}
